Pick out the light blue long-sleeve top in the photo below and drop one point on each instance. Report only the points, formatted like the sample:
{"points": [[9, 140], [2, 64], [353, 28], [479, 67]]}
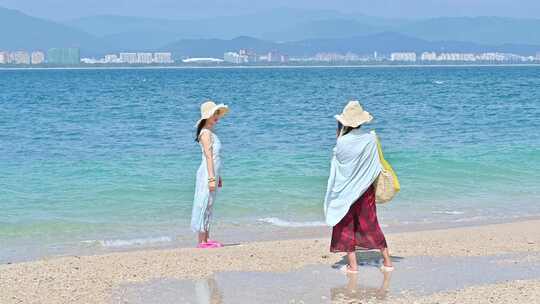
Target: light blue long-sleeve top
{"points": [[355, 166]]}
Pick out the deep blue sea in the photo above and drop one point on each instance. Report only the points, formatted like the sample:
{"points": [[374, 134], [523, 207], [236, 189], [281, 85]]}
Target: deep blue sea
{"points": [[106, 157]]}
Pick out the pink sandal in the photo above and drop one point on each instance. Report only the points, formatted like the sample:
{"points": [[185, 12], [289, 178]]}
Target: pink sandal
{"points": [[218, 244], [207, 246]]}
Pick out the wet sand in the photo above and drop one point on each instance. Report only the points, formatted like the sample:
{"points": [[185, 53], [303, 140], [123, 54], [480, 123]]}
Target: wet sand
{"points": [[97, 279], [323, 284]]}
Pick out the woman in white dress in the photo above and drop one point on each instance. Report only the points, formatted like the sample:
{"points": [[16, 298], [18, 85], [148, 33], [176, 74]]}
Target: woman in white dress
{"points": [[208, 176]]}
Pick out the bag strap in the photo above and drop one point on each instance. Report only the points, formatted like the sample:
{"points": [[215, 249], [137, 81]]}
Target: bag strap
{"points": [[379, 147], [385, 164]]}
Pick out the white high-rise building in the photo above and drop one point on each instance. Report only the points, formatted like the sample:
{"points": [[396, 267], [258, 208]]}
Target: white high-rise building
{"points": [[38, 57], [145, 58], [111, 58], [90, 60], [468, 57], [428, 56], [129, 58], [4, 57], [403, 56], [163, 58], [20, 57], [490, 57], [456, 57], [233, 57]]}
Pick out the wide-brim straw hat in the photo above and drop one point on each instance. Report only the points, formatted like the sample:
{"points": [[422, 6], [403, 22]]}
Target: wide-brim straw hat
{"points": [[353, 115], [209, 108]]}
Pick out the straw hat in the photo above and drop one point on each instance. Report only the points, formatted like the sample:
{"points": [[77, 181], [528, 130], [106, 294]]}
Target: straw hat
{"points": [[209, 108], [354, 115]]}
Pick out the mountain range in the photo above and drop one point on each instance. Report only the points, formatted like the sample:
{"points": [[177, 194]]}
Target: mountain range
{"points": [[385, 42], [292, 31]]}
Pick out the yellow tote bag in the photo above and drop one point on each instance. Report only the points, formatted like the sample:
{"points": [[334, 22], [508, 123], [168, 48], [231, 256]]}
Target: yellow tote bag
{"points": [[387, 184]]}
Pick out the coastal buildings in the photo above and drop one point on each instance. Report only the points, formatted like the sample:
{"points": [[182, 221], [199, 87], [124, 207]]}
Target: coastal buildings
{"points": [[204, 60], [63, 56], [491, 57], [139, 58], [329, 57], [133, 58], [456, 57], [71, 56], [19, 57], [428, 56], [38, 57], [471, 57], [163, 58], [275, 56], [348, 57], [242, 56], [145, 58], [403, 56], [129, 58], [4, 57], [247, 56], [111, 58], [251, 56], [236, 58]]}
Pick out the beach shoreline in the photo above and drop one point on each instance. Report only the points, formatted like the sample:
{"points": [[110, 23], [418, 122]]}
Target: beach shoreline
{"points": [[91, 279], [246, 233]]}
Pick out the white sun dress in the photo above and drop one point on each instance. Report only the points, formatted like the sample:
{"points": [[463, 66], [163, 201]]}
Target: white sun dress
{"points": [[204, 200]]}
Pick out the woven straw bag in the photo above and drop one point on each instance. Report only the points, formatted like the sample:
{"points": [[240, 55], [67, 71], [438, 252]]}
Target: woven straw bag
{"points": [[387, 184]]}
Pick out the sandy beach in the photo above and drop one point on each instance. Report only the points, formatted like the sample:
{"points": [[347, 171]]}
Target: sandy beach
{"points": [[93, 279]]}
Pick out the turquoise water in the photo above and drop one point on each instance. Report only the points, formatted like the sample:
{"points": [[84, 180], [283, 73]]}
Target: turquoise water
{"points": [[108, 155]]}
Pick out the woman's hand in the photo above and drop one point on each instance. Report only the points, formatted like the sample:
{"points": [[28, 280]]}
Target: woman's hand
{"points": [[212, 186], [220, 183]]}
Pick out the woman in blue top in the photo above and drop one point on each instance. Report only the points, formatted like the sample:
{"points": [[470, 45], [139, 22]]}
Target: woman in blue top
{"points": [[349, 205], [208, 175]]}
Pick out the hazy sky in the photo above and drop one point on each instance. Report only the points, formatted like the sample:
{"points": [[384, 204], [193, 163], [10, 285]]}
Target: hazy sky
{"points": [[67, 9]]}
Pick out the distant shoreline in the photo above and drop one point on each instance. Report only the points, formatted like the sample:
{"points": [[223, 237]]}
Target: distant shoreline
{"points": [[267, 66]]}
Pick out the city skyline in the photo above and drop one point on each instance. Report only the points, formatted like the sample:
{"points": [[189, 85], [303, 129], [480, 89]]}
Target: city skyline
{"points": [[71, 56], [62, 10]]}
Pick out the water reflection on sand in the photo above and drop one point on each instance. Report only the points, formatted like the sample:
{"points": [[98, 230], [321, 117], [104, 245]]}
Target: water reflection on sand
{"points": [[321, 284]]}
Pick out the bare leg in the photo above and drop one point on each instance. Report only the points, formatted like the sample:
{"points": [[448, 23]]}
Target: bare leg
{"points": [[352, 261], [203, 237], [386, 257]]}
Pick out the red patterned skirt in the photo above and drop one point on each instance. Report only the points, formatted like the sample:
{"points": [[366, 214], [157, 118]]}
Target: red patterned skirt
{"points": [[360, 227]]}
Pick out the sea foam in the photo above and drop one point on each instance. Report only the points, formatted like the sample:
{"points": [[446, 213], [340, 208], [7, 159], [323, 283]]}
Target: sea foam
{"points": [[283, 223], [130, 242]]}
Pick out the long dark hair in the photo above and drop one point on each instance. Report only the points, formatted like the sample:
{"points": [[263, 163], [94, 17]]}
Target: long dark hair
{"points": [[199, 129], [343, 130]]}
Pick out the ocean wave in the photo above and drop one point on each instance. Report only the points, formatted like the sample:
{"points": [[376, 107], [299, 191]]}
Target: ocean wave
{"points": [[448, 212], [283, 223], [129, 242], [480, 218]]}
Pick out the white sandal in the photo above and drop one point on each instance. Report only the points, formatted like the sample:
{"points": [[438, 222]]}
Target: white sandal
{"points": [[347, 269], [387, 268]]}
